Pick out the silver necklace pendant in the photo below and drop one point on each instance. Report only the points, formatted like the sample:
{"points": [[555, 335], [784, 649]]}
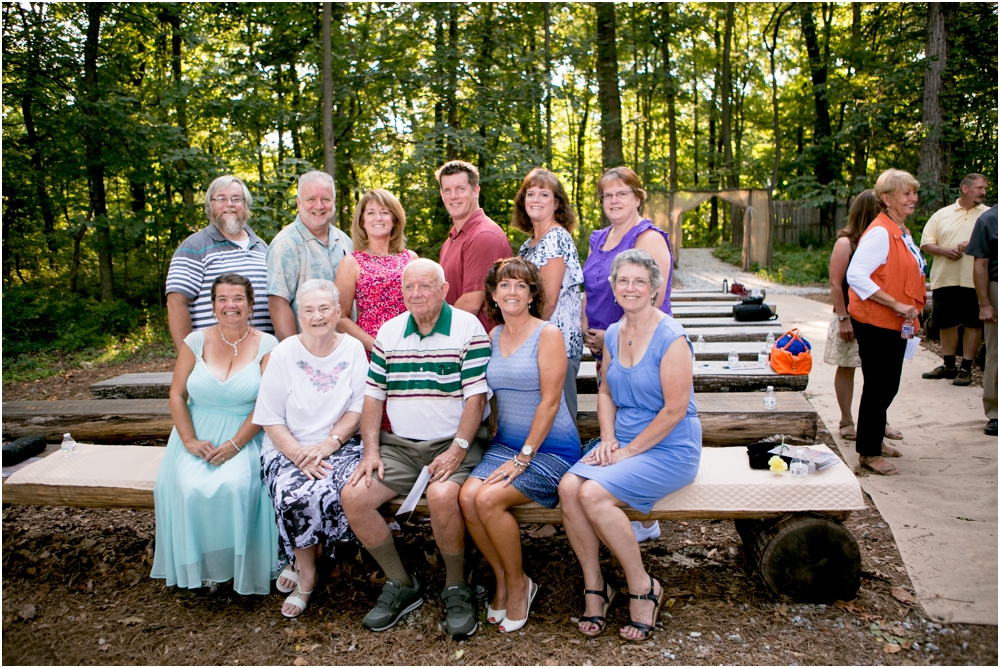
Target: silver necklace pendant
{"points": [[233, 345]]}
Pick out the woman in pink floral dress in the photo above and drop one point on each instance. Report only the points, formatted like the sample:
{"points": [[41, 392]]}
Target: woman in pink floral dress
{"points": [[372, 275]]}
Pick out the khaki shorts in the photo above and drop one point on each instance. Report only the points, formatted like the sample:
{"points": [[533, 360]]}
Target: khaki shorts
{"points": [[404, 459]]}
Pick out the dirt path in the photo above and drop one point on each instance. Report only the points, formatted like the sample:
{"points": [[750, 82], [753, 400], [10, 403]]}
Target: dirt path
{"points": [[698, 269]]}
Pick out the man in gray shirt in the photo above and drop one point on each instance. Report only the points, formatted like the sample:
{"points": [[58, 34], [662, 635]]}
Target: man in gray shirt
{"points": [[983, 247]]}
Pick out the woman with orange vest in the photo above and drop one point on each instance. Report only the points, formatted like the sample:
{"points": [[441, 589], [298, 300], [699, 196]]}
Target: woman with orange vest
{"points": [[887, 292]]}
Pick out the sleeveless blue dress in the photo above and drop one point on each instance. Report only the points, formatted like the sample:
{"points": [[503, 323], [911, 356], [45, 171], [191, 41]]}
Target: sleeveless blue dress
{"points": [[216, 523], [515, 382], [672, 463]]}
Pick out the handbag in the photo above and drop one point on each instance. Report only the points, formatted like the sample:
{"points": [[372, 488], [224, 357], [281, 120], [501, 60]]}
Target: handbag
{"points": [[753, 309], [792, 355]]}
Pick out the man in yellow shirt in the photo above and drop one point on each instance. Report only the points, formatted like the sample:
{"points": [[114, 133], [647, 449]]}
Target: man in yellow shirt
{"points": [[955, 304]]}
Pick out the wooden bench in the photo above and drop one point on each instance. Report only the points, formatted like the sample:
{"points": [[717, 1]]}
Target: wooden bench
{"points": [[726, 418], [791, 529], [686, 310], [703, 296], [714, 377]]}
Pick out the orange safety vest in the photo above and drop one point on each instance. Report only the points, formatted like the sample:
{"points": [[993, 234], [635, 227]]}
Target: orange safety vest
{"points": [[899, 277]]}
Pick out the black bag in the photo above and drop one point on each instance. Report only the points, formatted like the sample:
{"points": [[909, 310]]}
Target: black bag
{"points": [[19, 450], [753, 309]]}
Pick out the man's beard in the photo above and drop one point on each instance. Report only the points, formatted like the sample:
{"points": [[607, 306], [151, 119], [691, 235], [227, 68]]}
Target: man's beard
{"points": [[229, 224]]}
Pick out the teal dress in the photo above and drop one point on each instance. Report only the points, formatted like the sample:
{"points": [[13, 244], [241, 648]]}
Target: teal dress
{"points": [[216, 523]]}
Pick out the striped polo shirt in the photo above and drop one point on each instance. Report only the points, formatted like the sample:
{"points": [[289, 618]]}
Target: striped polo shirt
{"points": [[425, 380], [206, 255]]}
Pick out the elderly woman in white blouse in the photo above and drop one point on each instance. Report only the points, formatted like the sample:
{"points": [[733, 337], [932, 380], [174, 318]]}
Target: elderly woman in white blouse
{"points": [[310, 407], [887, 291]]}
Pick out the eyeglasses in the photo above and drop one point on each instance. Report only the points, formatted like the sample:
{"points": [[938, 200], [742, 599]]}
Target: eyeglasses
{"points": [[621, 194], [232, 200], [638, 283]]}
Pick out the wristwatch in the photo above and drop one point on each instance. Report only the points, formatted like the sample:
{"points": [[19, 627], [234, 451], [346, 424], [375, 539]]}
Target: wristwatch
{"points": [[527, 450], [462, 443], [842, 318]]}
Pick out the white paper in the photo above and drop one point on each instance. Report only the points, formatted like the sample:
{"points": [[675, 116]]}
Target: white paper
{"points": [[418, 491], [911, 347]]}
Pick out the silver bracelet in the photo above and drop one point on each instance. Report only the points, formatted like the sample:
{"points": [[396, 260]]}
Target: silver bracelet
{"points": [[234, 445], [518, 463]]}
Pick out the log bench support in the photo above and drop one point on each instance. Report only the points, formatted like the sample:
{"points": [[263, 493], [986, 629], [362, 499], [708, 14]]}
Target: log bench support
{"points": [[808, 557]]}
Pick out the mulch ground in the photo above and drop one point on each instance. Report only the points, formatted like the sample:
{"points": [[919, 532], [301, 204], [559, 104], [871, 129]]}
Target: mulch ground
{"points": [[76, 590]]}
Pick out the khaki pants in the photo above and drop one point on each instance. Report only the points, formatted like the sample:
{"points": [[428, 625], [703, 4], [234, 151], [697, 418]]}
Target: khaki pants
{"points": [[990, 374]]}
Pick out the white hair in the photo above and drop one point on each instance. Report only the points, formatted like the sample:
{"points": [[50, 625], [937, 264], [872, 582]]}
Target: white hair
{"points": [[225, 182], [316, 175], [422, 263], [319, 285]]}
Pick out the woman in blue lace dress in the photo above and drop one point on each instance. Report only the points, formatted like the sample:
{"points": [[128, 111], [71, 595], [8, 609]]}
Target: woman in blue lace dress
{"points": [[527, 457], [214, 521]]}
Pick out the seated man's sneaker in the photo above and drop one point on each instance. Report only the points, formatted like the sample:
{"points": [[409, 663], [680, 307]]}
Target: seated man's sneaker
{"points": [[642, 533], [395, 601], [459, 611]]}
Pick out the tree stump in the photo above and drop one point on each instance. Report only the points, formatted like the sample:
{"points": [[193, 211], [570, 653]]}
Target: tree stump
{"points": [[809, 558]]}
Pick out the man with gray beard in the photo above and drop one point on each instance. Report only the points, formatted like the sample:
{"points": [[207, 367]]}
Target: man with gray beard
{"points": [[227, 245]]}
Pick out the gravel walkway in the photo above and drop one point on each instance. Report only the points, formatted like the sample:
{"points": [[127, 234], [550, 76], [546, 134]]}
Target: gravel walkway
{"points": [[698, 269]]}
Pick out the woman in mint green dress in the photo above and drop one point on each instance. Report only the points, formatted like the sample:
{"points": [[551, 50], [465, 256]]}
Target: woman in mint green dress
{"points": [[214, 520]]}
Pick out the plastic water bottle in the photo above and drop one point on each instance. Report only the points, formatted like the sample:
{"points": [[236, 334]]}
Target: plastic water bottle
{"points": [[800, 466], [68, 446], [770, 399], [734, 359], [699, 344], [770, 339], [762, 357], [908, 328]]}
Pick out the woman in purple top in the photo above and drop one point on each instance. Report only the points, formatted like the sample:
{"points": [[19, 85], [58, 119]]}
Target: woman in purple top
{"points": [[622, 196]]}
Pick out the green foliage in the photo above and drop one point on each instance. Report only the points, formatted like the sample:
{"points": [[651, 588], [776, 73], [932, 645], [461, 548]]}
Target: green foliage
{"points": [[790, 265], [37, 320]]}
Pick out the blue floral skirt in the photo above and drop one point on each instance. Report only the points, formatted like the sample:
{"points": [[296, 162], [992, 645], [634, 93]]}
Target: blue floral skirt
{"points": [[539, 482]]}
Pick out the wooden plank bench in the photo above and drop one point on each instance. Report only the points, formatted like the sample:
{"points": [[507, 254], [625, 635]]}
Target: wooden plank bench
{"points": [[733, 333], [791, 529], [686, 310], [727, 418], [677, 296], [715, 376]]}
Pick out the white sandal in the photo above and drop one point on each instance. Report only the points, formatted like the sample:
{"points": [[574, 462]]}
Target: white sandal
{"points": [[289, 573], [298, 602]]}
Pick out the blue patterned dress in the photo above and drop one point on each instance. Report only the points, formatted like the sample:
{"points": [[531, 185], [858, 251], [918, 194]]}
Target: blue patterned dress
{"points": [[515, 381], [672, 463], [215, 523]]}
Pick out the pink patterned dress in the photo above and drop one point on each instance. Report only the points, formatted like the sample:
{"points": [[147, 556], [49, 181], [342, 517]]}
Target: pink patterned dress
{"points": [[379, 294]]}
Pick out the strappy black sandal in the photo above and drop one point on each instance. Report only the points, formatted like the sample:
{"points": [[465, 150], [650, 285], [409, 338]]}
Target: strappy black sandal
{"points": [[645, 629], [599, 620]]}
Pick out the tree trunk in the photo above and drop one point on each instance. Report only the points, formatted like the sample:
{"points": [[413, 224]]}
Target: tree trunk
{"points": [[450, 99], [727, 98], [823, 158], [581, 152], [608, 96], [95, 159], [713, 153], [173, 19], [671, 93], [329, 148], [931, 162], [774, 93], [548, 85], [694, 113], [859, 167]]}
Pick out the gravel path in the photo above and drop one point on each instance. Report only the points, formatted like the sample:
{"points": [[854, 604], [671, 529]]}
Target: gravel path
{"points": [[698, 269]]}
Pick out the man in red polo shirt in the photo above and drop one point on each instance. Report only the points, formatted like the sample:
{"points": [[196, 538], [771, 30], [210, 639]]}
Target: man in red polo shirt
{"points": [[474, 242]]}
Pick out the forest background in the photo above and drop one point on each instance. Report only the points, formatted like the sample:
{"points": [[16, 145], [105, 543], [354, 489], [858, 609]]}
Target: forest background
{"points": [[116, 116]]}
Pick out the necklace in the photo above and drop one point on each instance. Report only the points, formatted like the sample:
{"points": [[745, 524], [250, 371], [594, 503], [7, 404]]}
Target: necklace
{"points": [[642, 328], [233, 345]]}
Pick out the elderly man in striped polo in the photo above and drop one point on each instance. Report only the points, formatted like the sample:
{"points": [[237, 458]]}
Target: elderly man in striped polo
{"points": [[226, 246], [428, 369]]}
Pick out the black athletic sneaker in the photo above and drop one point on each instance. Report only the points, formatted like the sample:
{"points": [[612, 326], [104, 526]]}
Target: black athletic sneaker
{"points": [[459, 611], [991, 428], [963, 378], [941, 372], [395, 601]]}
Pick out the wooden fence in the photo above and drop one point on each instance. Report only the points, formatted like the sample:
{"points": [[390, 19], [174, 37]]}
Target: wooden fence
{"points": [[796, 224]]}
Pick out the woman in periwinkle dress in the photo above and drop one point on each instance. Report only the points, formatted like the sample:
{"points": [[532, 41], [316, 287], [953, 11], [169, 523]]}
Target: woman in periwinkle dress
{"points": [[650, 445], [214, 521], [529, 455]]}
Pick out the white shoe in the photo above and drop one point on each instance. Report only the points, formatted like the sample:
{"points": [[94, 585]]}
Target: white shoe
{"points": [[643, 534]]}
